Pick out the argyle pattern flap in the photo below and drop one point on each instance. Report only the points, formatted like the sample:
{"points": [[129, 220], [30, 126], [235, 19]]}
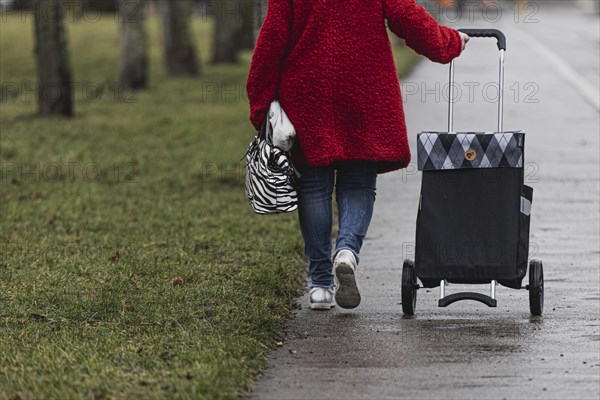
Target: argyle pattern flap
{"points": [[442, 150]]}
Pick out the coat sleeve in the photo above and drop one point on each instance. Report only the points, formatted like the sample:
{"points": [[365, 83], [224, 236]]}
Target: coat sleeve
{"points": [[421, 31], [267, 59]]}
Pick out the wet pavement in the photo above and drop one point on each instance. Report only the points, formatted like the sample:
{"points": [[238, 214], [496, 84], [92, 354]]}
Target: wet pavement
{"points": [[469, 351]]}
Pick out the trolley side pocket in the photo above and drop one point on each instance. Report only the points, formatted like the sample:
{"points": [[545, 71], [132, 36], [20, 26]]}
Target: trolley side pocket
{"points": [[524, 223], [523, 244]]}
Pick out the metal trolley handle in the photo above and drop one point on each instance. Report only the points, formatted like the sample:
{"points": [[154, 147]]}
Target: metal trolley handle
{"points": [[501, 39]]}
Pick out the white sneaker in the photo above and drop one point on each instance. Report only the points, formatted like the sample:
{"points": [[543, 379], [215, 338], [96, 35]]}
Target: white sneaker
{"points": [[344, 269], [322, 298]]}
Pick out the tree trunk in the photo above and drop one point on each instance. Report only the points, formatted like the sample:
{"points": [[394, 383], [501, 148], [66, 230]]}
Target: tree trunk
{"points": [[55, 83], [22, 4], [133, 68], [261, 12], [249, 14], [228, 29], [180, 54]]}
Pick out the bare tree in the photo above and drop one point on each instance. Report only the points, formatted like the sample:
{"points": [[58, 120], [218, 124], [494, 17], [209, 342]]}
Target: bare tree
{"points": [[55, 83], [249, 15], [81, 7], [180, 53], [133, 40], [228, 31], [261, 12]]}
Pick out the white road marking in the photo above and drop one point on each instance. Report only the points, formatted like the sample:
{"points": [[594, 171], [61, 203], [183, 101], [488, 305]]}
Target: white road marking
{"points": [[585, 88]]}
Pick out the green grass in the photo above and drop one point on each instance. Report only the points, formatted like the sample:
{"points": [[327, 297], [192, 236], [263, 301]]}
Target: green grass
{"points": [[131, 264]]}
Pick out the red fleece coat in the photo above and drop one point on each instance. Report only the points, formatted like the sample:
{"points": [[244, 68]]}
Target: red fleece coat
{"points": [[330, 64]]}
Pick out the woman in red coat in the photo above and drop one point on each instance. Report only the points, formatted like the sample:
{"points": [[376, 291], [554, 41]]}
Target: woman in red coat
{"points": [[330, 65]]}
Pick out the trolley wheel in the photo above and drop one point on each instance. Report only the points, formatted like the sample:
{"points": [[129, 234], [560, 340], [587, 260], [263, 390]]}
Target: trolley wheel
{"points": [[409, 288], [536, 287]]}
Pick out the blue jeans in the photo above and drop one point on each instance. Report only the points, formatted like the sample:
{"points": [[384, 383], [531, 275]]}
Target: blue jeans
{"points": [[355, 183]]}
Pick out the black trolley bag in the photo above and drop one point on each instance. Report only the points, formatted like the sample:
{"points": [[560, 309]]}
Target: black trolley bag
{"points": [[474, 210]]}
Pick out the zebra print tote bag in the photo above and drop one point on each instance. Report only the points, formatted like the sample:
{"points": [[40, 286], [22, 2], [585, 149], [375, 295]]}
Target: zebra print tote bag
{"points": [[270, 175]]}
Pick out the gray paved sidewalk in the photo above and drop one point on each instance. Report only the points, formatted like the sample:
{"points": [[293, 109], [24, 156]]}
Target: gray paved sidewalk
{"points": [[468, 350]]}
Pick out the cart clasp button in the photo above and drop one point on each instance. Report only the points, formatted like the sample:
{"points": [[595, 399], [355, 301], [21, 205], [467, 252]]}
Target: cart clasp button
{"points": [[470, 154]]}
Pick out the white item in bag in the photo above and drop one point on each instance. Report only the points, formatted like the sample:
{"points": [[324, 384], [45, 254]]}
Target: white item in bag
{"points": [[283, 130]]}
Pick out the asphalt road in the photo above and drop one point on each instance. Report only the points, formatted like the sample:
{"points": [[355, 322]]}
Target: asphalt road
{"points": [[469, 351]]}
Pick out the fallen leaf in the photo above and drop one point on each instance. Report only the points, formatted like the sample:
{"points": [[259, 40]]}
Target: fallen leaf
{"points": [[177, 281], [115, 257]]}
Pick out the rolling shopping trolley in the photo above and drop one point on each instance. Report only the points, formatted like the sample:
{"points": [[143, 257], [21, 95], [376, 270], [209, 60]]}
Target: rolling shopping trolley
{"points": [[474, 210]]}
